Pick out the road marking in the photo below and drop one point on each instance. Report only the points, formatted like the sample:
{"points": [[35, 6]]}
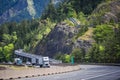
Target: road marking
{"points": [[100, 75], [82, 79]]}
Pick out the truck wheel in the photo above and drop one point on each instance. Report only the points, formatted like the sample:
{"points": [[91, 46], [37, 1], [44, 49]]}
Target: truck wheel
{"points": [[48, 66], [41, 66]]}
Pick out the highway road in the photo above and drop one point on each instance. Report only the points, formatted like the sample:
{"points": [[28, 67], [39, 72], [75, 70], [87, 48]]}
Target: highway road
{"points": [[87, 72]]}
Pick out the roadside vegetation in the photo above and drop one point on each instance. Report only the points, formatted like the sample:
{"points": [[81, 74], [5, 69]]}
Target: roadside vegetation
{"points": [[27, 34]]}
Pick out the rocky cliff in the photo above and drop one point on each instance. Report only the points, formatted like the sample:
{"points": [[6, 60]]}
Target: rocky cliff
{"points": [[17, 10], [85, 41], [107, 12], [60, 40]]}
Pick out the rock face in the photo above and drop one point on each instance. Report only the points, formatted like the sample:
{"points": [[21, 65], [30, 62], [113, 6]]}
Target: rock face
{"points": [[85, 41], [59, 40], [111, 11], [114, 12], [17, 10]]}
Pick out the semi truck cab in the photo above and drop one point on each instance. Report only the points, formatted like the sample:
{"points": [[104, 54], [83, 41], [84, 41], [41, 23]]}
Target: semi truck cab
{"points": [[46, 62]]}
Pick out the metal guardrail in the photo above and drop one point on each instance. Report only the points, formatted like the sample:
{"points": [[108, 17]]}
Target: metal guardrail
{"points": [[74, 21], [53, 61]]}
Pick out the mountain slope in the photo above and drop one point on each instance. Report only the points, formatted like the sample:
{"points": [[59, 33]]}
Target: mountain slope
{"points": [[17, 10], [106, 12], [58, 41], [96, 38], [89, 41]]}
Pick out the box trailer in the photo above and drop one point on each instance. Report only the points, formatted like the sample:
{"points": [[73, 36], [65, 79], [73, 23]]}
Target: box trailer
{"points": [[41, 61]]}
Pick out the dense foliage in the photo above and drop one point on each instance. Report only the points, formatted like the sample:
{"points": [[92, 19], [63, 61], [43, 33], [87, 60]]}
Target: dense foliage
{"points": [[28, 34], [106, 35], [70, 8], [107, 48], [77, 54], [60, 13], [24, 35], [85, 6]]}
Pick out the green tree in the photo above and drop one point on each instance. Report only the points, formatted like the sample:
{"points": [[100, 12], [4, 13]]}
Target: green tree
{"points": [[1, 55], [78, 55], [96, 54], [64, 57], [102, 31], [67, 58], [6, 38], [82, 18], [50, 12], [69, 11], [14, 37], [107, 47], [8, 51], [86, 6]]}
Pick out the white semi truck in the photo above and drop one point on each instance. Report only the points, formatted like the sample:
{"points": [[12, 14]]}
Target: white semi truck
{"points": [[34, 59], [46, 62]]}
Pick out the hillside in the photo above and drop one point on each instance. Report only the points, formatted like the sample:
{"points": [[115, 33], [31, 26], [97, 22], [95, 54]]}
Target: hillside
{"points": [[106, 13], [18, 10], [59, 40], [87, 31], [91, 45]]}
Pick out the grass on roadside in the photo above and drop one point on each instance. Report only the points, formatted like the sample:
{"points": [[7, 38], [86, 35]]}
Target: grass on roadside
{"points": [[14, 67]]}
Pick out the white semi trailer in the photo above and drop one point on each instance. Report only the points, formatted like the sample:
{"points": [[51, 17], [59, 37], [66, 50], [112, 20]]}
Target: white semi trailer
{"points": [[41, 61]]}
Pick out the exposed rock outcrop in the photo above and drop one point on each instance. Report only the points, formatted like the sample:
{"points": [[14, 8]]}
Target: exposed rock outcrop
{"points": [[108, 12], [17, 10], [22, 9], [59, 40], [85, 41], [114, 12]]}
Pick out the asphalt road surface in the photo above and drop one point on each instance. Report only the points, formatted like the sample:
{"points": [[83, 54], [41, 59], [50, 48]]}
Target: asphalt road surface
{"points": [[87, 72]]}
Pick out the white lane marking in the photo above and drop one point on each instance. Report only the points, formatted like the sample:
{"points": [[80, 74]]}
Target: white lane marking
{"points": [[100, 75], [82, 79]]}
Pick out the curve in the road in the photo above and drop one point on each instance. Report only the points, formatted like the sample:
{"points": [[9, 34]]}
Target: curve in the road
{"points": [[88, 72]]}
